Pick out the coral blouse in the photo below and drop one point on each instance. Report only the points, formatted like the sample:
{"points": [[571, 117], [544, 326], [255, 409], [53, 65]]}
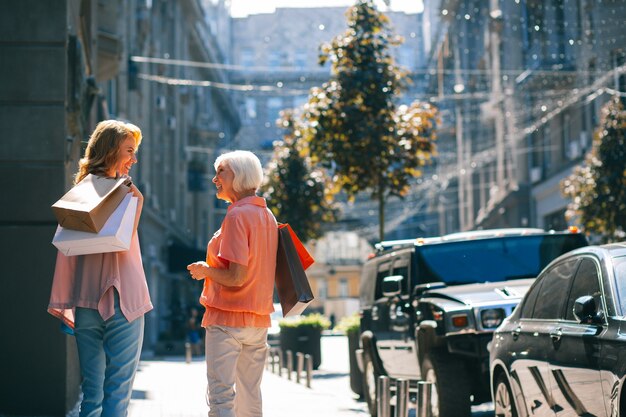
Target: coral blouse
{"points": [[249, 237], [89, 281]]}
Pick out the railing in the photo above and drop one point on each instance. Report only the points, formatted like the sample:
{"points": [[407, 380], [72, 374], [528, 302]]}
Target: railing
{"points": [[401, 393], [304, 365]]}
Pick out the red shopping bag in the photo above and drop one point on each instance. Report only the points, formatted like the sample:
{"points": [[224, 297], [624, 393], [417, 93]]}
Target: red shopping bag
{"points": [[292, 285]]}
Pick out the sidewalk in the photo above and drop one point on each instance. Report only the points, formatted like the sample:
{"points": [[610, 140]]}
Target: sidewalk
{"points": [[170, 387]]}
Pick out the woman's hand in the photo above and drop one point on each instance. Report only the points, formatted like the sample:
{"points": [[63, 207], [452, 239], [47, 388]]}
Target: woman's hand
{"points": [[136, 192], [198, 270]]}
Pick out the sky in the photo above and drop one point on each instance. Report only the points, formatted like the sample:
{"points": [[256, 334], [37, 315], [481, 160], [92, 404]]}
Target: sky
{"points": [[242, 8]]}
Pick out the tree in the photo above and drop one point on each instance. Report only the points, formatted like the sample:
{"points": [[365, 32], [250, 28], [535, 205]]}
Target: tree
{"points": [[597, 189], [356, 131], [296, 192]]}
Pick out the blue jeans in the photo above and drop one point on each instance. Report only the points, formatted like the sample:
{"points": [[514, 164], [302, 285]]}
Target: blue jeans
{"points": [[108, 352]]}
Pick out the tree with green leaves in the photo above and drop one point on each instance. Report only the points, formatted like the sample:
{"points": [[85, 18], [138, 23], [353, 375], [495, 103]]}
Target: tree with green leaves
{"points": [[296, 192], [356, 130], [597, 189]]}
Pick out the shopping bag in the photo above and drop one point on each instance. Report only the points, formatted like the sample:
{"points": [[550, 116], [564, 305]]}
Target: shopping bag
{"points": [[292, 285], [115, 235], [89, 204]]}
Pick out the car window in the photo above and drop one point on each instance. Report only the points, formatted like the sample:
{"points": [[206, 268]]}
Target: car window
{"points": [[620, 283], [494, 259], [530, 299], [401, 267], [556, 282], [384, 269], [585, 283]]}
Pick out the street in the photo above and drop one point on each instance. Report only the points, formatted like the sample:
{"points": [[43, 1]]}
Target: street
{"points": [[169, 387]]}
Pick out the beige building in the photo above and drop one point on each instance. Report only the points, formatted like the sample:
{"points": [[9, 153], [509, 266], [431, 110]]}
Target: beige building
{"points": [[336, 273]]}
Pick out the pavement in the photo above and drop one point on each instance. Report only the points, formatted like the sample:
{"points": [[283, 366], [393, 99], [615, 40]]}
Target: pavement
{"points": [[170, 387]]}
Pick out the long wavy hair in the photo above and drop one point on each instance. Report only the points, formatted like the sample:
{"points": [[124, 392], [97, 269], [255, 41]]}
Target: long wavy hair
{"points": [[103, 147]]}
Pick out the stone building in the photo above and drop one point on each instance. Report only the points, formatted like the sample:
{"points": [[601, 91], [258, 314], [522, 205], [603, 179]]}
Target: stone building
{"points": [[280, 51], [520, 85], [65, 66]]}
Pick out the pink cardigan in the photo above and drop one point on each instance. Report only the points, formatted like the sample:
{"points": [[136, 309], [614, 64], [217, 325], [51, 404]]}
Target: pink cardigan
{"points": [[88, 281]]}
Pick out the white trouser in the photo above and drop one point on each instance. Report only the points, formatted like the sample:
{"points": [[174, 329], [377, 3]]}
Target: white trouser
{"points": [[235, 358]]}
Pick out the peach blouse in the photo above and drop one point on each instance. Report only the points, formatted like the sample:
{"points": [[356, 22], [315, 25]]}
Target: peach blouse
{"points": [[88, 281], [249, 237]]}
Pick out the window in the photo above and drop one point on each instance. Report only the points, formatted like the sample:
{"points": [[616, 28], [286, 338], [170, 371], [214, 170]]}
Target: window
{"points": [[401, 267], [274, 106], [585, 283], [556, 281], [406, 58], [530, 300], [343, 288], [247, 57], [322, 289], [250, 108], [299, 60], [383, 271], [274, 59]]}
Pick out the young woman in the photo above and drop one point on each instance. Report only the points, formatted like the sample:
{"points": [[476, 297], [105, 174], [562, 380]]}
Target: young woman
{"points": [[104, 297], [238, 285]]}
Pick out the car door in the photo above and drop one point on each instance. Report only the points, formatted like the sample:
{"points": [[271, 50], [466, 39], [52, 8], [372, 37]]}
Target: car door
{"points": [[531, 341], [402, 358], [575, 352], [380, 316]]}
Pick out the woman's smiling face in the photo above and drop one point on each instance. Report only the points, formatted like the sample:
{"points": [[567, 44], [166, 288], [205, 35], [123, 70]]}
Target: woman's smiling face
{"points": [[223, 180], [126, 157]]}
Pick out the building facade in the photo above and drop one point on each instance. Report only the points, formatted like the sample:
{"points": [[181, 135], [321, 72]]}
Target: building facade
{"points": [[65, 66], [520, 85], [276, 56]]}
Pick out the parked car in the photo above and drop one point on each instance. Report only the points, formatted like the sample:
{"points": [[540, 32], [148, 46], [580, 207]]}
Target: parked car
{"points": [[563, 351], [430, 306]]}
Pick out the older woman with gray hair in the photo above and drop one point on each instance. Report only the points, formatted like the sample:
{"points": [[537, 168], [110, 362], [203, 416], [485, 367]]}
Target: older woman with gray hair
{"points": [[238, 287]]}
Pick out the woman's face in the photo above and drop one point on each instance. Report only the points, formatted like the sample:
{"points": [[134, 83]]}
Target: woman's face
{"points": [[223, 180], [126, 157]]}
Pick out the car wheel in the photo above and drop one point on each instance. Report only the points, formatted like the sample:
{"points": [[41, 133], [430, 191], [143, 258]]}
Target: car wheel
{"points": [[503, 399], [369, 384], [451, 388]]}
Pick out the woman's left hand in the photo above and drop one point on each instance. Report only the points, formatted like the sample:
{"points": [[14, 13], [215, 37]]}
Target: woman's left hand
{"points": [[198, 270], [136, 192]]}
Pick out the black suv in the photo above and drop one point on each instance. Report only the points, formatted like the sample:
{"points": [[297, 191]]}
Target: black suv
{"points": [[430, 306]]}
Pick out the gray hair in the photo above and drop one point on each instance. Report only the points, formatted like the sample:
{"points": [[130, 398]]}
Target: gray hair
{"points": [[246, 169]]}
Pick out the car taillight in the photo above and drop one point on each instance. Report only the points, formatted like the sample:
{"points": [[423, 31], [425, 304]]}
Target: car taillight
{"points": [[460, 320]]}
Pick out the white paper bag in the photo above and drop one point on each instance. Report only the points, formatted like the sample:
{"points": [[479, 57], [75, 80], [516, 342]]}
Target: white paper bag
{"points": [[115, 235]]}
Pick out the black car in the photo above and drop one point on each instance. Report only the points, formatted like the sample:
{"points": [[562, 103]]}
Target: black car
{"points": [[563, 350], [430, 306]]}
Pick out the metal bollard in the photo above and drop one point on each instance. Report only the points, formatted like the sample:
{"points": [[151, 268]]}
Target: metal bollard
{"points": [[308, 361], [289, 364], [424, 396], [187, 352], [299, 365], [384, 395], [402, 398], [281, 362], [274, 360]]}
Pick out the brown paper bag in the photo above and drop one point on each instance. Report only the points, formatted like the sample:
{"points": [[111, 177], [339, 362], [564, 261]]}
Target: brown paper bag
{"points": [[292, 285], [88, 205], [115, 236]]}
